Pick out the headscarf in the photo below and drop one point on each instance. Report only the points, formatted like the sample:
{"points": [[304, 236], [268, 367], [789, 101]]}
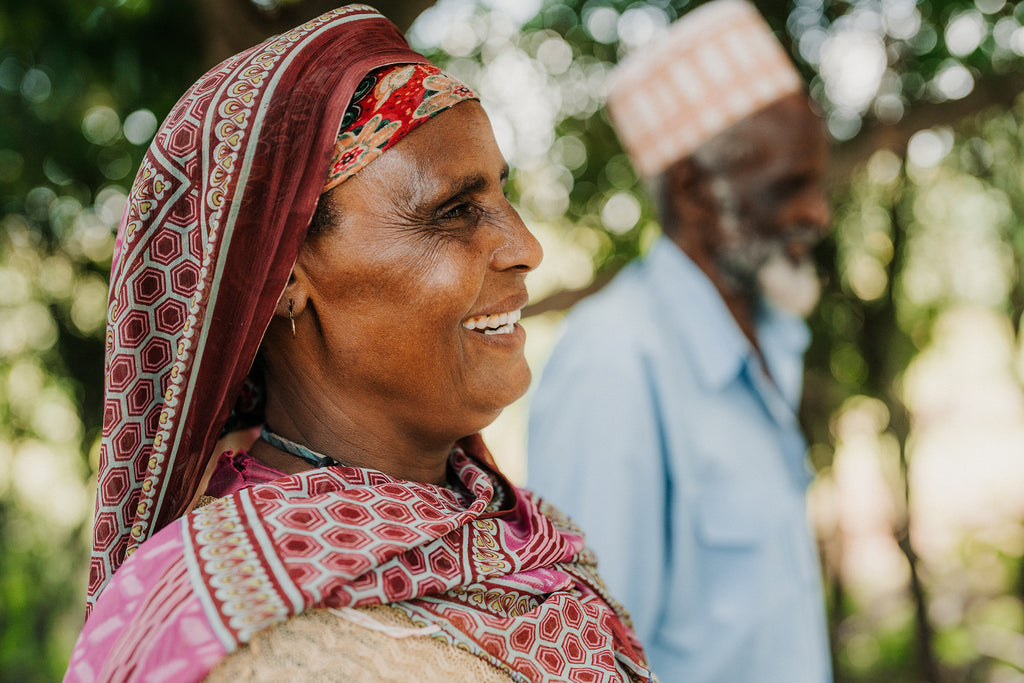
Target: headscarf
{"points": [[388, 105], [214, 223], [491, 570]]}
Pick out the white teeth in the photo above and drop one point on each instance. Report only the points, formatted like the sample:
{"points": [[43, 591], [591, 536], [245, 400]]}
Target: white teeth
{"points": [[504, 329], [495, 323]]}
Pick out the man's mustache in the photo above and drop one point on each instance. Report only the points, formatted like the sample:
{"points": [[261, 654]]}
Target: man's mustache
{"points": [[740, 263]]}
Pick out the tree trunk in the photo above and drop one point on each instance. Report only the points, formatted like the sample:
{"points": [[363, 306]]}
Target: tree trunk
{"points": [[233, 25]]}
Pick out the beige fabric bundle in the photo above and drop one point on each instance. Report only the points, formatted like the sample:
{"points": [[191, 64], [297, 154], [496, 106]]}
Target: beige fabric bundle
{"points": [[713, 67], [320, 645]]}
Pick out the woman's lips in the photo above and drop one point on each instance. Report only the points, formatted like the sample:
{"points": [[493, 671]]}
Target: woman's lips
{"points": [[494, 323]]}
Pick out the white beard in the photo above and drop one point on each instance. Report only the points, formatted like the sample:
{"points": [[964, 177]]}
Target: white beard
{"points": [[794, 288]]}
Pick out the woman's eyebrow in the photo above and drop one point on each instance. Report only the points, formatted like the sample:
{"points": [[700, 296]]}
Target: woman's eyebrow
{"points": [[473, 183], [466, 185]]}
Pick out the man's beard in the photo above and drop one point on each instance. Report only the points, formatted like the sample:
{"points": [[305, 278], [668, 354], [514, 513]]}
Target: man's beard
{"points": [[791, 287], [759, 266]]}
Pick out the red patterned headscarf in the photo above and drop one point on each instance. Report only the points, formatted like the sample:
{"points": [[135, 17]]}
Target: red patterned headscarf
{"points": [[387, 106], [215, 220]]}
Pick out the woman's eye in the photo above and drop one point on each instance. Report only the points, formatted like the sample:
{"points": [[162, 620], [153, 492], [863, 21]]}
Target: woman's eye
{"points": [[456, 212]]}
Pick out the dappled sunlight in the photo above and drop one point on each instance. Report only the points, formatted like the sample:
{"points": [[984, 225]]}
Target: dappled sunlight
{"points": [[860, 502], [48, 482], [927, 148], [968, 469], [568, 259], [959, 252]]}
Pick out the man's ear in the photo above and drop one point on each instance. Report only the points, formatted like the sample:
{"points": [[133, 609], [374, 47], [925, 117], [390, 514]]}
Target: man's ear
{"points": [[688, 205], [682, 175], [685, 191]]}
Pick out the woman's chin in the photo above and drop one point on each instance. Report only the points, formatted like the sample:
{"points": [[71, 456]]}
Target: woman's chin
{"points": [[515, 388], [492, 403]]}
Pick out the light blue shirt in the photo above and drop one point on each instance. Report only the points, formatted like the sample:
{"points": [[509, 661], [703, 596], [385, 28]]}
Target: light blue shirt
{"points": [[656, 427]]}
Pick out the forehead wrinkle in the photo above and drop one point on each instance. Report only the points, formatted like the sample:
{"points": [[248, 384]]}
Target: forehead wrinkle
{"points": [[431, 179], [429, 186]]}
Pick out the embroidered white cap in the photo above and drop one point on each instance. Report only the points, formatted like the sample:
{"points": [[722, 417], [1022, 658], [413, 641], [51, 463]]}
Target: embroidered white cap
{"points": [[715, 66]]}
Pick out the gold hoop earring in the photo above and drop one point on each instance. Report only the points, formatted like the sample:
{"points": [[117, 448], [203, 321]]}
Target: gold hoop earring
{"points": [[291, 305]]}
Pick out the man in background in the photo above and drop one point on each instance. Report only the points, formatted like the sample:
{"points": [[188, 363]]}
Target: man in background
{"points": [[665, 421]]}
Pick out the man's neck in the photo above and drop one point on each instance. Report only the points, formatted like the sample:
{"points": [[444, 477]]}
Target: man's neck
{"points": [[741, 305]]}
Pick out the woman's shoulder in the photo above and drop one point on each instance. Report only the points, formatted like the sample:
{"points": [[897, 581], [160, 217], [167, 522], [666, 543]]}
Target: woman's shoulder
{"points": [[377, 643]]}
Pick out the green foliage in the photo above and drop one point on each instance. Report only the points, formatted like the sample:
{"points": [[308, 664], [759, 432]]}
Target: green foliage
{"points": [[81, 87], [912, 244]]}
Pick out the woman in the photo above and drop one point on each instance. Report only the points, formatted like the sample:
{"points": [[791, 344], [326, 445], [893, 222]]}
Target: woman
{"points": [[368, 521]]}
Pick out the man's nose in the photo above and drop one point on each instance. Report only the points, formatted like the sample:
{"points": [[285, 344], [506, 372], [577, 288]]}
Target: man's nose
{"points": [[800, 240], [817, 212]]}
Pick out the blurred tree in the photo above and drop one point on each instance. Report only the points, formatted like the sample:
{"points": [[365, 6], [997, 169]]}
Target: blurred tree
{"points": [[79, 85], [233, 25]]}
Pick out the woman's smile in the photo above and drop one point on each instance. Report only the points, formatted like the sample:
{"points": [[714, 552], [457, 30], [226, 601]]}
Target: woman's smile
{"points": [[495, 323], [500, 319]]}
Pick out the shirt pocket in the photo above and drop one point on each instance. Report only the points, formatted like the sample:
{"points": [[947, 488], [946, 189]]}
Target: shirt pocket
{"points": [[749, 526]]}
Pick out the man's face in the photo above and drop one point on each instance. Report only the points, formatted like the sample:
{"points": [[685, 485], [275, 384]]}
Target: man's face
{"points": [[768, 182]]}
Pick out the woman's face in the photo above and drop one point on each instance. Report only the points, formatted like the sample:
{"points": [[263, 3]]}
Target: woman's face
{"points": [[421, 248]]}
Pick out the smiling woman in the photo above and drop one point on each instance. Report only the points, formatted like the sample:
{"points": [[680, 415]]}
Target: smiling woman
{"points": [[317, 249]]}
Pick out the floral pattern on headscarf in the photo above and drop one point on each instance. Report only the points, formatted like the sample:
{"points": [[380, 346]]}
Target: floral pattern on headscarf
{"points": [[442, 91], [387, 106]]}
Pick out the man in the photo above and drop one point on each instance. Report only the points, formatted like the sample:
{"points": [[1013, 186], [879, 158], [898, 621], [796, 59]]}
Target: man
{"points": [[665, 421]]}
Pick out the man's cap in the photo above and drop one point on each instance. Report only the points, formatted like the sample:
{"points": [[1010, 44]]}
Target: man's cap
{"points": [[715, 66]]}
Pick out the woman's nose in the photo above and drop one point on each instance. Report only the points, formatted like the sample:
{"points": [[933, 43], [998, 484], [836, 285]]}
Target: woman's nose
{"points": [[520, 251]]}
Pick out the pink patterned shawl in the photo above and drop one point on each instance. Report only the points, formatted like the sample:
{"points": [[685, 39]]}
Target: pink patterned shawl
{"points": [[513, 585], [216, 217]]}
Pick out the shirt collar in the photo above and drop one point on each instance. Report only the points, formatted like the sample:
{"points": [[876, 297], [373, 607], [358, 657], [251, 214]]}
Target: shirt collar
{"points": [[784, 337], [694, 311]]}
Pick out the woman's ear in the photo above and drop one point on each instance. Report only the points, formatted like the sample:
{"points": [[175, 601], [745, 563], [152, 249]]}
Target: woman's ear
{"points": [[295, 295]]}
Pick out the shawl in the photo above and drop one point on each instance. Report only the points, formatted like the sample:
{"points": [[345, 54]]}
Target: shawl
{"points": [[215, 219], [513, 585]]}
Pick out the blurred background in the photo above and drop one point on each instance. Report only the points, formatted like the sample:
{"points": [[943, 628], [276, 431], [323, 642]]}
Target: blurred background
{"points": [[914, 401]]}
